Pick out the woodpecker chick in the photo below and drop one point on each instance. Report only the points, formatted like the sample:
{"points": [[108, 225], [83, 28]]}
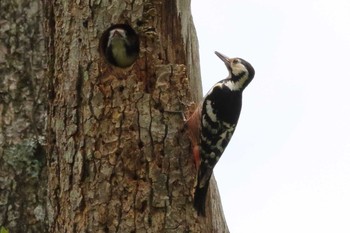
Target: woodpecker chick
{"points": [[213, 123], [123, 46]]}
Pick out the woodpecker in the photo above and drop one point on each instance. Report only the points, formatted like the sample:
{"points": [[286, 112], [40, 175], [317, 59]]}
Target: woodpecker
{"points": [[121, 45], [213, 123]]}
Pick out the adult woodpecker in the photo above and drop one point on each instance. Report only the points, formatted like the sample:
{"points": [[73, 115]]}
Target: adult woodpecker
{"points": [[212, 124], [120, 45]]}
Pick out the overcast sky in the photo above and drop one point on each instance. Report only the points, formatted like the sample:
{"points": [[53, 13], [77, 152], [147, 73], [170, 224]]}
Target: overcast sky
{"points": [[287, 167]]}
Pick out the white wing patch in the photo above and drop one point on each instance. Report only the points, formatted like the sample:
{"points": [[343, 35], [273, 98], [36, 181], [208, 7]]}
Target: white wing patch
{"points": [[225, 136], [210, 111]]}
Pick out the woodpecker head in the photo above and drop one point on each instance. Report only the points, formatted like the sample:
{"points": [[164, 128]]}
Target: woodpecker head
{"points": [[122, 46], [240, 71]]}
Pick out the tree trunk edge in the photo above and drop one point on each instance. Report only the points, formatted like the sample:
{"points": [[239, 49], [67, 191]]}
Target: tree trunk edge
{"points": [[216, 215]]}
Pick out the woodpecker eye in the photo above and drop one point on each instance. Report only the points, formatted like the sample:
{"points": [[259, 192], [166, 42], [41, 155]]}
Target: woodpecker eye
{"points": [[235, 61]]}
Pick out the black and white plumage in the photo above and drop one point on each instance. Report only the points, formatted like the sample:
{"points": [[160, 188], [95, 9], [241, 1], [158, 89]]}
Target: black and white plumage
{"points": [[217, 116], [120, 45]]}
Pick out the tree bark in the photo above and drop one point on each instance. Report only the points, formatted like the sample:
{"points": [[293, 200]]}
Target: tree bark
{"points": [[118, 157], [23, 174]]}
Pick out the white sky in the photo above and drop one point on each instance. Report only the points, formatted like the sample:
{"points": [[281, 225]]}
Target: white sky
{"points": [[287, 167]]}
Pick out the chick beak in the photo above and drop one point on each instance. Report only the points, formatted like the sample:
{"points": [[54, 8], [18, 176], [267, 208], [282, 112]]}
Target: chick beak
{"points": [[225, 59], [120, 33]]}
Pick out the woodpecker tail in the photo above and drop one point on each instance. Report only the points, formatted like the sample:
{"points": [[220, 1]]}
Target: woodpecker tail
{"points": [[200, 196]]}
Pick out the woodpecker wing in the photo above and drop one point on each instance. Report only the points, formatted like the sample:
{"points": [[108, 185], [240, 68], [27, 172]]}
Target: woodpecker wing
{"points": [[220, 114]]}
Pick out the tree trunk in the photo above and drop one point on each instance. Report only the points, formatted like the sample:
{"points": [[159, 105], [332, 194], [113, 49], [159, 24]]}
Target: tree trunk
{"points": [[23, 174], [118, 157]]}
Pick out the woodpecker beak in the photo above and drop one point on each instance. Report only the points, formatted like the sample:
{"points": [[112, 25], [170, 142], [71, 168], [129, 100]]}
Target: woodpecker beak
{"points": [[225, 59]]}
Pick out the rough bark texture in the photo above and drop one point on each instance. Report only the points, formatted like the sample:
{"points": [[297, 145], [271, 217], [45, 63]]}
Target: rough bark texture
{"points": [[23, 178], [118, 160]]}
